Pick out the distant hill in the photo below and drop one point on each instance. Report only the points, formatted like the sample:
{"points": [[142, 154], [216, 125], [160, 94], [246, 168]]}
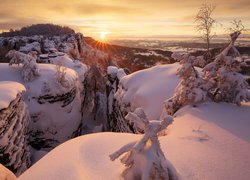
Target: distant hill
{"points": [[39, 29]]}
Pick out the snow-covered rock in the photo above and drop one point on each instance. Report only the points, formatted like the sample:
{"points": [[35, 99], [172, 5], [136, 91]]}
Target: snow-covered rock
{"points": [[207, 142], [76, 65], [55, 110], [148, 89], [34, 46], [14, 121]]}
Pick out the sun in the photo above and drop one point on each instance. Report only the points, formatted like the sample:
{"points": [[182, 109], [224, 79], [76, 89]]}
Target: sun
{"points": [[103, 36]]}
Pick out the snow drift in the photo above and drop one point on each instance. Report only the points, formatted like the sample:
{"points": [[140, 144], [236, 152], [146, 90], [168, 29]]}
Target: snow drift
{"points": [[199, 145]]}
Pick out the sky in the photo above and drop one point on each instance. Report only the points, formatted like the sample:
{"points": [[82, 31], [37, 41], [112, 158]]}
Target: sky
{"points": [[121, 18]]}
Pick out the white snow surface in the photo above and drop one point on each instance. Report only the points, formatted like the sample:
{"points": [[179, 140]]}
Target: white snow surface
{"points": [[211, 141], [149, 88], [8, 92]]}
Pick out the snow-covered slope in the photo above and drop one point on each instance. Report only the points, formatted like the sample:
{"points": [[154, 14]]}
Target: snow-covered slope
{"points": [[55, 110], [14, 120], [6, 174], [199, 145], [148, 89]]}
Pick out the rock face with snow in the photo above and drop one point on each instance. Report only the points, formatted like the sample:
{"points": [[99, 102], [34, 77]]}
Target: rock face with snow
{"points": [[116, 121], [55, 109], [14, 120]]}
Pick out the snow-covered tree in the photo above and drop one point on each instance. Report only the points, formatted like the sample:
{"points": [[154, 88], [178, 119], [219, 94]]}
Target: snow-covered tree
{"points": [[228, 84], [144, 159], [200, 61], [191, 88], [29, 69]]}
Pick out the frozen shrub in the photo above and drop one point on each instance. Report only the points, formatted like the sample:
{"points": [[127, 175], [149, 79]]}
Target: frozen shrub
{"points": [[144, 159]]}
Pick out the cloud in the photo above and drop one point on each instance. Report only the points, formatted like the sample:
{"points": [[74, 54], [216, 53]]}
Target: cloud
{"points": [[118, 16]]}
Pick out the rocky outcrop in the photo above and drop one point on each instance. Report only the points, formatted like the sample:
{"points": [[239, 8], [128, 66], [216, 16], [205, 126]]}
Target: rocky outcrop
{"points": [[94, 101], [115, 113], [14, 120]]}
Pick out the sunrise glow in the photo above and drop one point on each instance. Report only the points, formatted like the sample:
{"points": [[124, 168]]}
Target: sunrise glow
{"points": [[103, 36], [125, 19]]}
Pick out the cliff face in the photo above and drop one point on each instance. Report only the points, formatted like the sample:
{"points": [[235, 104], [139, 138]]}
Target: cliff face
{"points": [[14, 120]]}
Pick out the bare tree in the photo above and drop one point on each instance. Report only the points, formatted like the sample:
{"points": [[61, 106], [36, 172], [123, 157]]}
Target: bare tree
{"points": [[237, 26], [205, 23]]}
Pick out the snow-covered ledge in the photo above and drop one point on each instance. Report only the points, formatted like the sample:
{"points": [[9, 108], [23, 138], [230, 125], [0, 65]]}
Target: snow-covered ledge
{"points": [[14, 119]]}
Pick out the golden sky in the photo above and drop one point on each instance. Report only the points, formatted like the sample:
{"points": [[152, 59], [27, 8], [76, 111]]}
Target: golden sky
{"points": [[121, 18]]}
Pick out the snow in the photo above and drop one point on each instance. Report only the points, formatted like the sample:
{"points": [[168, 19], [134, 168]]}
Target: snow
{"points": [[8, 92], [112, 70], [6, 174], [202, 143], [47, 71], [149, 53], [35, 46], [149, 88], [53, 120], [76, 65]]}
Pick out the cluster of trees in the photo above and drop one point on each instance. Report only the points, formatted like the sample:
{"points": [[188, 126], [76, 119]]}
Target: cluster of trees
{"points": [[39, 29], [220, 81]]}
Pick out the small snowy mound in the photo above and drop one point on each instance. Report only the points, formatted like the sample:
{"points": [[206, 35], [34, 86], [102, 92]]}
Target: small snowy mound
{"points": [[149, 88], [200, 144], [8, 92]]}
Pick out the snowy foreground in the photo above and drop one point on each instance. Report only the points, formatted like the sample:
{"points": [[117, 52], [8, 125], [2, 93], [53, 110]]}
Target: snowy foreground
{"points": [[211, 141]]}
